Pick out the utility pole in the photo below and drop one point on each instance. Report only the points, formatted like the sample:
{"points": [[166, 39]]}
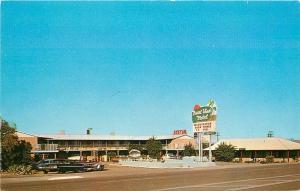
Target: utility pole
{"points": [[218, 135]]}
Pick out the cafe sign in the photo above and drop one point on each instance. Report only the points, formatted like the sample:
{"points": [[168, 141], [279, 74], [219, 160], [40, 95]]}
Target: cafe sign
{"points": [[204, 117]]}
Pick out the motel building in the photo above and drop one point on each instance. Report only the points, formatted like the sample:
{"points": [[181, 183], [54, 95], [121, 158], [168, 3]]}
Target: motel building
{"points": [[96, 147], [257, 149]]}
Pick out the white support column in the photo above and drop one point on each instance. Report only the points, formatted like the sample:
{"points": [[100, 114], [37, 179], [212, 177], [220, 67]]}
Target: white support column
{"points": [[209, 154], [106, 147], [166, 147], [200, 147]]}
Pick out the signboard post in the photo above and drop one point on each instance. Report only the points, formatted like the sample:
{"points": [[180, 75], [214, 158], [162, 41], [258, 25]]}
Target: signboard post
{"points": [[204, 121], [209, 154], [201, 147]]}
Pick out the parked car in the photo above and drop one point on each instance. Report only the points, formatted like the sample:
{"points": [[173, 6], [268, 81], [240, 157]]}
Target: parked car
{"points": [[49, 165], [73, 166], [65, 165], [93, 166], [171, 156]]}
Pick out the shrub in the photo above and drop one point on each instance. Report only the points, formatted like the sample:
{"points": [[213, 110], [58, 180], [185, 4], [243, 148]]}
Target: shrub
{"points": [[189, 150], [20, 169], [225, 152], [13, 150], [269, 159], [154, 147], [111, 155]]}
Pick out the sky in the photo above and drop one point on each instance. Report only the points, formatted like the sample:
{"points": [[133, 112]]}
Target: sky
{"points": [[138, 68]]}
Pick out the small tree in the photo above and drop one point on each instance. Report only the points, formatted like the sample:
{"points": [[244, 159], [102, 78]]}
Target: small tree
{"points": [[21, 153], [8, 136], [153, 147], [189, 150], [8, 141], [13, 151], [111, 155], [269, 159], [225, 152]]}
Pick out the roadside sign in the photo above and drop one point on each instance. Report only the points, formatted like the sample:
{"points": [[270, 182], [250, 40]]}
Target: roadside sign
{"points": [[207, 126], [204, 117], [180, 132]]}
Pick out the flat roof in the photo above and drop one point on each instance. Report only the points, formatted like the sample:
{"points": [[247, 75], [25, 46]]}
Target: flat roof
{"points": [[21, 134], [109, 137], [267, 143]]}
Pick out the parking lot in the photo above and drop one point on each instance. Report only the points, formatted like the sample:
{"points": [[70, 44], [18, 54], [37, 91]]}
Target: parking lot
{"points": [[222, 177]]}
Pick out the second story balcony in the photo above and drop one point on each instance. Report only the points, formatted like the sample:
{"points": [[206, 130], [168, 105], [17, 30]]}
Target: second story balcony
{"points": [[82, 147], [46, 147], [175, 147], [92, 148]]}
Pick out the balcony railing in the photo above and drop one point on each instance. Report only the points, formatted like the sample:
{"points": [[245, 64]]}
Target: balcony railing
{"points": [[175, 147], [55, 147], [46, 147]]}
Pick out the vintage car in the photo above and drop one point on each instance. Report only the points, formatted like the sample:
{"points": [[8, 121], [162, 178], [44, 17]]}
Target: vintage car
{"points": [[73, 166], [65, 165], [93, 166], [49, 165]]}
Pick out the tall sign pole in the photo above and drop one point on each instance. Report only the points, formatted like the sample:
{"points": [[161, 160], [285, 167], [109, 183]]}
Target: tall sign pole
{"points": [[199, 147], [204, 122], [209, 154]]}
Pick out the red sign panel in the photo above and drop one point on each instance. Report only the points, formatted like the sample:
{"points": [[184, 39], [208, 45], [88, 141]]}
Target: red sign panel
{"points": [[180, 132]]}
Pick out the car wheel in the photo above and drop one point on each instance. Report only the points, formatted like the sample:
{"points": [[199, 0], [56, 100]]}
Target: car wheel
{"points": [[98, 167]]}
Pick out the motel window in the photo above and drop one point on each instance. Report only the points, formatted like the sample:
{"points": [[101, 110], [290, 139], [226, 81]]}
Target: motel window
{"points": [[133, 142], [97, 143], [71, 143], [293, 154], [247, 154], [110, 143], [103, 143], [62, 143], [143, 142], [261, 154], [276, 154], [124, 143], [280, 154]]}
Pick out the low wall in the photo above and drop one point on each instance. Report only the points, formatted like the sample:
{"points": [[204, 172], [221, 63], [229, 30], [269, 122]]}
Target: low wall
{"points": [[277, 160], [166, 164]]}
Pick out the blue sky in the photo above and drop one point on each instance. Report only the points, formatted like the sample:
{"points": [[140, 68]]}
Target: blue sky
{"points": [[138, 68]]}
